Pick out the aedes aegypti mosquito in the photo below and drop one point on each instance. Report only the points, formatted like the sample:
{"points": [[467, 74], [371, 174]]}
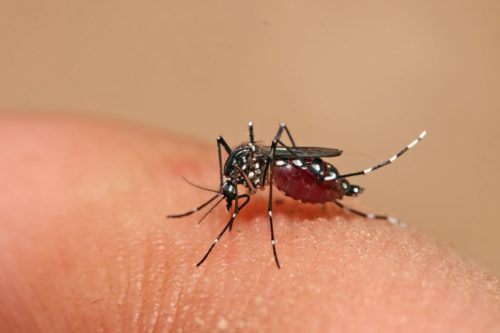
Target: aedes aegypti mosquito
{"points": [[298, 172]]}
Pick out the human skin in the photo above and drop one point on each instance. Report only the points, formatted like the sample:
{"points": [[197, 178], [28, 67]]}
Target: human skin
{"points": [[85, 247]]}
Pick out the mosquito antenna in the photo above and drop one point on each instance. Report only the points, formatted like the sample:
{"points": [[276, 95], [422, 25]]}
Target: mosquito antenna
{"points": [[210, 210], [194, 210], [199, 187]]}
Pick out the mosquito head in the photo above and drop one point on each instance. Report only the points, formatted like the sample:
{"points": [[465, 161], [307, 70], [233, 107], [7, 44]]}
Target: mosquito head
{"points": [[229, 192], [229, 189]]}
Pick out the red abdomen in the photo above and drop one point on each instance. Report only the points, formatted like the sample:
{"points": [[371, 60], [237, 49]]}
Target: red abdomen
{"points": [[302, 184]]}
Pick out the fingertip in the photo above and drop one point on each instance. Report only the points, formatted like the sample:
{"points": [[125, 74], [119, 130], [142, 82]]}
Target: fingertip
{"points": [[93, 196]]}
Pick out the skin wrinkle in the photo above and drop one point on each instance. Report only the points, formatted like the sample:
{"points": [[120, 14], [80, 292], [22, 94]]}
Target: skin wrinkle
{"points": [[121, 283], [145, 292], [157, 271], [153, 268], [98, 303], [160, 304], [177, 305], [136, 285], [179, 278], [181, 281], [130, 273], [335, 269], [162, 316]]}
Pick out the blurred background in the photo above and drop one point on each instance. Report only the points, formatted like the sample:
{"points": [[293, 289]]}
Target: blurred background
{"points": [[366, 77]]}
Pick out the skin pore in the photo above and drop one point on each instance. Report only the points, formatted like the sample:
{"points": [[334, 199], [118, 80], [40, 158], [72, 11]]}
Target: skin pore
{"points": [[85, 247]]}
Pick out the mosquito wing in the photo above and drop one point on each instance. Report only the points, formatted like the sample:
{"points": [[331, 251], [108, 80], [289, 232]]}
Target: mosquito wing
{"points": [[291, 152]]}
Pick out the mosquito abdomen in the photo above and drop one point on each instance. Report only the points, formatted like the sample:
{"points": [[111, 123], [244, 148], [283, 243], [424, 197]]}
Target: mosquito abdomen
{"points": [[302, 184]]}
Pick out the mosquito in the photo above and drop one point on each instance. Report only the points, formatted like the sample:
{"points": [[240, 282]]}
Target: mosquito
{"points": [[298, 172]]}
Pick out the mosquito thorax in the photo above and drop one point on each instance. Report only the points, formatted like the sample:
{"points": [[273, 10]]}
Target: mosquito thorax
{"points": [[246, 165], [238, 157]]}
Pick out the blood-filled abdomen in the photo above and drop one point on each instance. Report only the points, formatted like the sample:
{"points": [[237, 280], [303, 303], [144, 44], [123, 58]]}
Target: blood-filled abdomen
{"points": [[302, 184]]}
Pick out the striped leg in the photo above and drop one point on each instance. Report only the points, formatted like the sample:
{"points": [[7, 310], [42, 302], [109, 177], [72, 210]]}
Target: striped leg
{"points": [[271, 174], [270, 212], [282, 127], [236, 211], [391, 219], [269, 167], [223, 143], [236, 207], [250, 132], [386, 162]]}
